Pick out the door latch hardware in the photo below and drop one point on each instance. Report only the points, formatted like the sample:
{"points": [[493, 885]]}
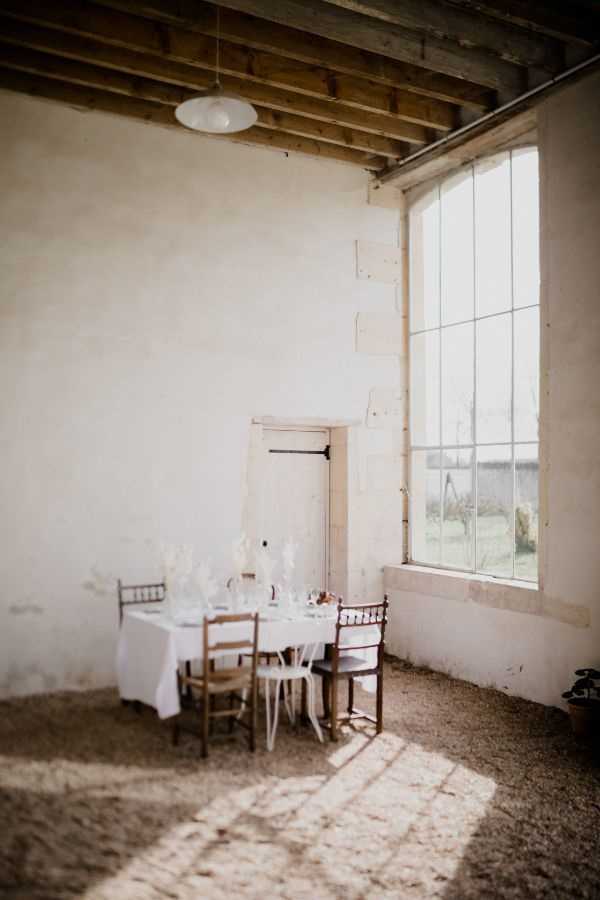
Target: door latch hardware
{"points": [[324, 452]]}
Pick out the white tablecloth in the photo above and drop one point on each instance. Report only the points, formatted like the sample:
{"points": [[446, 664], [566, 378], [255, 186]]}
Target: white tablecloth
{"points": [[151, 646]]}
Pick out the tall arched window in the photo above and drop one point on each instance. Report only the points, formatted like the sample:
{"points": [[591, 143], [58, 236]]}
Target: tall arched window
{"points": [[474, 369]]}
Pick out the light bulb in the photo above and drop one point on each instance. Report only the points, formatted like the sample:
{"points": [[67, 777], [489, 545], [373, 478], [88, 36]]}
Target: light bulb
{"points": [[217, 116]]}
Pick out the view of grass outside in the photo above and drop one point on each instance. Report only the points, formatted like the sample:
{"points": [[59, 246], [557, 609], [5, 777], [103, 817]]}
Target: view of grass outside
{"points": [[496, 556]]}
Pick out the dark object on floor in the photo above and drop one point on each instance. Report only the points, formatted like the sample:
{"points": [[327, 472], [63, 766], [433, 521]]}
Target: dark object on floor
{"points": [[583, 700]]}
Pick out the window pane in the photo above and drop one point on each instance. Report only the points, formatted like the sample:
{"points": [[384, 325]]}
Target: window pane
{"points": [[492, 236], [526, 511], [425, 262], [526, 212], [425, 389], [527, 373], [494, 510], [425, 506], [494, 375], [457, 248], [457, 508], [457, 384]]}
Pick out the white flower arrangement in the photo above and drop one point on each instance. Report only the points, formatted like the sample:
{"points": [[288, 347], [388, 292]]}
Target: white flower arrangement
{"points": [[178, 568]]}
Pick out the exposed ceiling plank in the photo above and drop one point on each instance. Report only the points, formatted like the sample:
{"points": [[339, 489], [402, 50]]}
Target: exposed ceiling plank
{"points": [[121, 29], [87, 75], [387, 40], [467, 28], [91, 98], [560, 20], [336, 134], [122, 60], [291, 43]]}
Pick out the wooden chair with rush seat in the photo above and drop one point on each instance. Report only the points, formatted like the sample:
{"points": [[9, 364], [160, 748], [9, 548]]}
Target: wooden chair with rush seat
{"points": [[347, 667], [238, 683]]}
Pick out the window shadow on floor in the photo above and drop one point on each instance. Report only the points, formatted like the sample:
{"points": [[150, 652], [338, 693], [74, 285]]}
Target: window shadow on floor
{"points": [[468, 793]]}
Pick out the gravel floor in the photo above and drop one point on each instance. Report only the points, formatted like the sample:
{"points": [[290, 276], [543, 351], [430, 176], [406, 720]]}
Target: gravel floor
{"points": [[467, 793]]}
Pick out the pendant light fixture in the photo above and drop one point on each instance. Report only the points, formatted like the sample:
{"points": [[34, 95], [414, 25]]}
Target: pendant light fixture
{"points": [[215, 110]]}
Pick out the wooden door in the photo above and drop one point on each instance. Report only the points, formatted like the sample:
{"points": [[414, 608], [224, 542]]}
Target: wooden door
{"points": [[295, 503]]}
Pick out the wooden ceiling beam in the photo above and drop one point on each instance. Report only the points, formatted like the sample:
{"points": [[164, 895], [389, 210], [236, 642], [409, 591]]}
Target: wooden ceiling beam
{"points": [[87, 75], [130, 32], [335, 134], [560, 20], [130, 107], [110, 57], [398, 43], [290, 43], [465, 27]]}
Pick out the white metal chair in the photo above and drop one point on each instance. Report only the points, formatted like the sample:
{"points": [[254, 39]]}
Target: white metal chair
{"points": [[288, 674]]}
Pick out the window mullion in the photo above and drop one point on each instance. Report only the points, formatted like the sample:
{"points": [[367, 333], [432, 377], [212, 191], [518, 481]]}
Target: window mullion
{"points": [[441, 456], [512, 372], [474, 415]]}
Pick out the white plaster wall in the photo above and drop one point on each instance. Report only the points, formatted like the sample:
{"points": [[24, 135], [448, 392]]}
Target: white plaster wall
{"points": [[158, 290], [525, 655], [533, 655]]}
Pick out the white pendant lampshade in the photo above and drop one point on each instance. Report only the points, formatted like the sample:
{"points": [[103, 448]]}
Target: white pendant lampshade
{"points": [[216, 111]]}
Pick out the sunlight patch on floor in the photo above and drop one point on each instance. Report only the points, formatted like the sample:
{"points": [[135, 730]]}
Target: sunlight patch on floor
{"points": [[367, 826]]}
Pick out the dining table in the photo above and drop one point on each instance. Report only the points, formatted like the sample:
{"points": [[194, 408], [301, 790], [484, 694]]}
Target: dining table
{"points": [[152, 646]]}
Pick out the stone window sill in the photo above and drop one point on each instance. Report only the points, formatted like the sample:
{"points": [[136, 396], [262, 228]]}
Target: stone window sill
{"points": [[496, 593]]}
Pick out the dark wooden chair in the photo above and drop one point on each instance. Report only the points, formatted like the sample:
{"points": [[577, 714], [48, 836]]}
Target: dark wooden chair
{"points": [[235, 684], [138, 594], [347, 667]]}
